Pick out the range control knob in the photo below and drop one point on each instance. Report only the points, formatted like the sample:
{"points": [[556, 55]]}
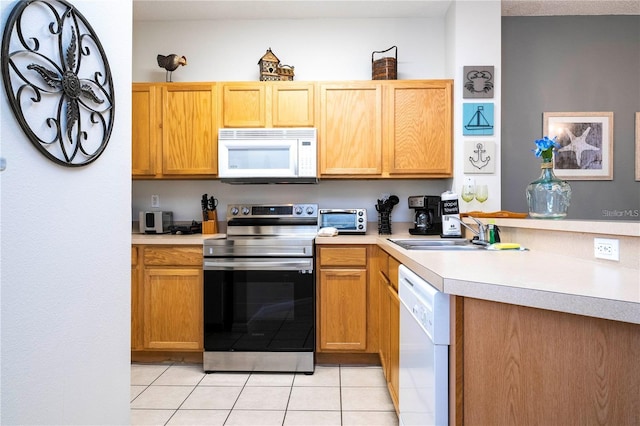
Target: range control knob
{"points": [[245, 211], [298, 210], [310, 210], [234, 211]]}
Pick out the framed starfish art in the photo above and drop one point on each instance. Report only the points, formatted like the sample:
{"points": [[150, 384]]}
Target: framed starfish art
{"points": [[586, 144]]}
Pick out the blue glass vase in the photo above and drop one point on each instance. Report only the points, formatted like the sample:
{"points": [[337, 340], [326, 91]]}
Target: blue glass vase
{"points": [[548, 197]]}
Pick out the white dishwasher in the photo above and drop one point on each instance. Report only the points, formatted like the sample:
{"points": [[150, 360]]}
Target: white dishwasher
{"points": [[424, 351]]}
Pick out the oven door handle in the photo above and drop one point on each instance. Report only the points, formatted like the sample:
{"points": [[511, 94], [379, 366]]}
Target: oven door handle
{"points": [[259, 265]]}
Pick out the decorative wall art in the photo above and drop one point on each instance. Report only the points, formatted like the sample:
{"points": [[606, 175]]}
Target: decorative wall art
{"points": [[478, 82], [637, 145], [479, 156], [58, 81], [477, 119], [586, 140]]}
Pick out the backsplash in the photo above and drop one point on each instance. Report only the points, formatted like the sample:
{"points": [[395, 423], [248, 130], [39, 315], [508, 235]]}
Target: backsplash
{"points": [[182, 197]]}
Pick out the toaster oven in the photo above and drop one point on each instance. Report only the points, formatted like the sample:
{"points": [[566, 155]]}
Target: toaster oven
{"points": [[155, 222], [346, 221]]}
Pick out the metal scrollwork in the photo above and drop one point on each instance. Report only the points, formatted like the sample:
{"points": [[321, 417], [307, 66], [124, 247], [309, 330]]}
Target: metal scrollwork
{"points": [[58, 81]]}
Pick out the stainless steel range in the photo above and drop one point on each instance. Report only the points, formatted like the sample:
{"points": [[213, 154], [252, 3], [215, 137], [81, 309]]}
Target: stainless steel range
{"points": [[259, 290]]}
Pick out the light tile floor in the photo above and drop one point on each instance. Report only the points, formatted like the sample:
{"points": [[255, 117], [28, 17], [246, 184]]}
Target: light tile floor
{"points": [[182, 394]]}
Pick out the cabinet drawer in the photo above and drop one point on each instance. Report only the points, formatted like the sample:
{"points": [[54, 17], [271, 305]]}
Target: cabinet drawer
{"points": [[173, 256], [343, 256], [134, 256]]}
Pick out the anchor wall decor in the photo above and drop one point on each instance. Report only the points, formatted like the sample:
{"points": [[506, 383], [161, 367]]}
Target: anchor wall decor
{"points": [[479, 157]]}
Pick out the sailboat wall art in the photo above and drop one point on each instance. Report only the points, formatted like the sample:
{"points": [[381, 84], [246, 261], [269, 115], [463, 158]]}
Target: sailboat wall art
{"points": [[477, 119], [586, 144]]}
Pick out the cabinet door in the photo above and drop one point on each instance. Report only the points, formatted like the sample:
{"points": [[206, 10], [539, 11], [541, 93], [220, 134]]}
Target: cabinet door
{"points": [[343, 309], [136, 307], [419, 125], [394, 345], [293, 105], [350, 129], [243, 105], [173, 308], [144, 126], [384, 326], [189, 132]]}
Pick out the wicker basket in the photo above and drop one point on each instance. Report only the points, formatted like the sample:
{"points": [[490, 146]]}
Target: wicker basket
{"points": [[385, 68]]}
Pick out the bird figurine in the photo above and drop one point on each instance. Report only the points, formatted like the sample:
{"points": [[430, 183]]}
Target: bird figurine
{"points": [[171, 63]]}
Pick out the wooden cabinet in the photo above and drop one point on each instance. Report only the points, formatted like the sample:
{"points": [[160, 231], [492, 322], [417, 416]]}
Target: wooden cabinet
{"points": [[267, 104], [174, 130], [419, 121], [347, 305], [389, 321], [350, 133], [144, 127], [168, 305], [532, 366], [136, 291], [390, 129]]}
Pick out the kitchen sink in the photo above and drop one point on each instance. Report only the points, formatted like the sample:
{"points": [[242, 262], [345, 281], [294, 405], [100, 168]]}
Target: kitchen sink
{"points": [[430, 244]]}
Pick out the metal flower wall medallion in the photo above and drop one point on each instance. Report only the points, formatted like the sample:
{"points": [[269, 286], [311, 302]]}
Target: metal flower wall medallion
{"points": [[58, 81]]}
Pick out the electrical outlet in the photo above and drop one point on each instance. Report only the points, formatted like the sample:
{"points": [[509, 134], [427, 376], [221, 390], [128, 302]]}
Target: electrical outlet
{"points": [[606, 248], [155, 201]]}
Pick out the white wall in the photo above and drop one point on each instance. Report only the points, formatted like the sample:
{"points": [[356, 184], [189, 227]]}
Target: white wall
{"points": [[65, 259], [320, 49], [474, 38]]}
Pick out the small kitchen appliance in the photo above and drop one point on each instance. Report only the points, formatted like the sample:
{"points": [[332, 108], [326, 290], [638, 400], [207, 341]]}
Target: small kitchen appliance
{"points": [[346, 221], [282, 155], [427, 220], [155, 222]]}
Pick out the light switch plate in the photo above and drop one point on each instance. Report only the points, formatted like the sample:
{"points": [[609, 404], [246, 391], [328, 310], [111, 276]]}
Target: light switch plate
{"points": [[155, 201]]}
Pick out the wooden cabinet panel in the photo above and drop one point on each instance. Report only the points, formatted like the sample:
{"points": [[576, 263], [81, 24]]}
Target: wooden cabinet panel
{"points": [[166, 298], [144, 126], [189, 133], [394, 345], [136, 298], [293, 105], [531, 366], [243, 105], [267, 104], [173, 309], [343, 309], [350, 129], [419, 117], [343, 256], [394, 265], [384, 324], [173, 256]]}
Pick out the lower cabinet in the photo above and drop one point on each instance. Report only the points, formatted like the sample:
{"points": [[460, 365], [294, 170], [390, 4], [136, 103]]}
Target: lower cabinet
{"points": [[167, 307], [386, 270], [346, 311]]}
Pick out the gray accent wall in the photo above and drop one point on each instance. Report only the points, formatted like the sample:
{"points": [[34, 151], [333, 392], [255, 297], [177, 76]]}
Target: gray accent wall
{"points": [[571, 64]]}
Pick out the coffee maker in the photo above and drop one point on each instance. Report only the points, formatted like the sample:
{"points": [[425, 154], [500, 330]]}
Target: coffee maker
{"points": [[428, 218]]}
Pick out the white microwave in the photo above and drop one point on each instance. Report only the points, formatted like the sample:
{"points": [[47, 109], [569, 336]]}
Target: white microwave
{"points": [[287, 155]]}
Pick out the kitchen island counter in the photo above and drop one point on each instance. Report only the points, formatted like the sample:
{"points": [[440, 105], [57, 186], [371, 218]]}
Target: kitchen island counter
{"points": [[538, 278]]}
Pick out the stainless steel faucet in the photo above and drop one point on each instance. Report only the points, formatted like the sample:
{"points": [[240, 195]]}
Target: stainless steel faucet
{"points": [[481, 233]]}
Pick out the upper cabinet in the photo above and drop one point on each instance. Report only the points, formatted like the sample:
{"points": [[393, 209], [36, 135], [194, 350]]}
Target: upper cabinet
{"points": [[267, 104], [350, 130], [174, 130], [386, 129]]}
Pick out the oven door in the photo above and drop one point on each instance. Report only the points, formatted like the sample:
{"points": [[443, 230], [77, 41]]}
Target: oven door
{"points": [[259, 304]]}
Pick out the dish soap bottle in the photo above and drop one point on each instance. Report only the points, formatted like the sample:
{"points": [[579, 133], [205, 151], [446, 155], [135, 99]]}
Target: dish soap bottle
{"points": [[450, 209]]}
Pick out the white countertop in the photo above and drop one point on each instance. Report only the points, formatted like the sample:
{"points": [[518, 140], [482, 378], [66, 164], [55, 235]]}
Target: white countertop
{"points": [[529, 278]]}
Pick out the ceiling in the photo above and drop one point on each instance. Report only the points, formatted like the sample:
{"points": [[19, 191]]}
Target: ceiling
{"points": [[166, 10]]}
